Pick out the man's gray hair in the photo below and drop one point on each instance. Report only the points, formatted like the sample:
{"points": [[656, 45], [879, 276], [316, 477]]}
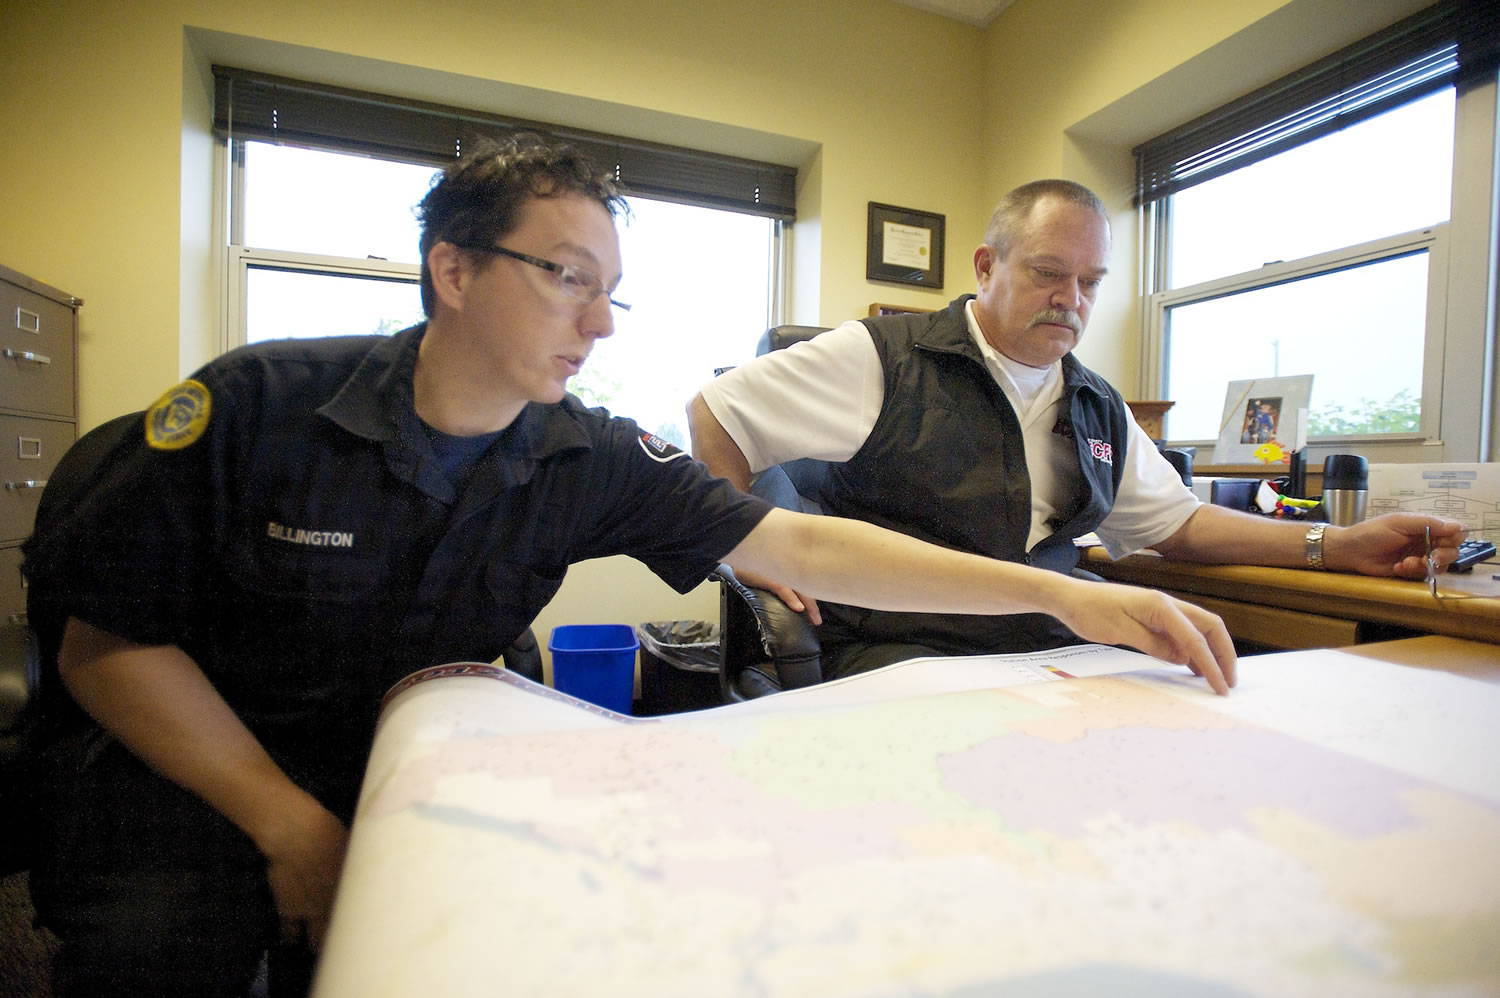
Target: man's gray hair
{"points": [[1009, 219]]}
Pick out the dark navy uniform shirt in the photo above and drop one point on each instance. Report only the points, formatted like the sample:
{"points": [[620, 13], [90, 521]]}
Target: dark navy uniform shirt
{"points": [[305, 547]]}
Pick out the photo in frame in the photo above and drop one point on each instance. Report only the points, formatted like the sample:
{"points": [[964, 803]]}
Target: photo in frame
{"points": [[905, 246], [1265, 420]]}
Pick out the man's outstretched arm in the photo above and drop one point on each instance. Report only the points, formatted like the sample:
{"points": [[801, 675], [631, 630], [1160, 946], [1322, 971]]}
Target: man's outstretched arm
{"points": [[859, 563]]}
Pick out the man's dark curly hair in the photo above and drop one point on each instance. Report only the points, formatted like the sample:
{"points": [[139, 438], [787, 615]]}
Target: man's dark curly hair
{"points": [[478, 199]]}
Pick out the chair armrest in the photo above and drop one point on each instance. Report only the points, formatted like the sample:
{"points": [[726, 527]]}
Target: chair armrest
{"points": [[524, 657], [20, 675], [764, 645]]}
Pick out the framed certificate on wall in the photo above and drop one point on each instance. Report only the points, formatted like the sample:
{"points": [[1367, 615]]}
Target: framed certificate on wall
{"points": [[904, 246]]}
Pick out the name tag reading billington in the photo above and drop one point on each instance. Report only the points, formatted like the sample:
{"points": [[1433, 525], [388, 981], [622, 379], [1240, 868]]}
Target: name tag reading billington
{"points": [[311, 538]]}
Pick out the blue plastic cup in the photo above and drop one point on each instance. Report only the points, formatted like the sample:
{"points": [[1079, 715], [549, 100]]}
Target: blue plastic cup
{"points": [[595, 662]]}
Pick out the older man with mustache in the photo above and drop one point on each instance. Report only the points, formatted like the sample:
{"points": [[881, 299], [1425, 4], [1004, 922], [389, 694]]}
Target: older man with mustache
{"points": [[976, 428]]}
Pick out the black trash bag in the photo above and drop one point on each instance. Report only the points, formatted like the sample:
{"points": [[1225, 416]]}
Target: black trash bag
{"points": [[679, 665]]}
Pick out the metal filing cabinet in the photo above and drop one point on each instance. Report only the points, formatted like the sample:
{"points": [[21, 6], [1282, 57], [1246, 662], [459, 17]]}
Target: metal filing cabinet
{"points": [[38, 411]]}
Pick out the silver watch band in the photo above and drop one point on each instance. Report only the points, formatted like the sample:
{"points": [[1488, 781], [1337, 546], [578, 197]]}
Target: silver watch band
{"points": [[1314, 545]]}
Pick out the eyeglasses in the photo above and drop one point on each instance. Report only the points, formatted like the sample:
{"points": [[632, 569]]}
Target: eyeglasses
{"points": [[577, 283], [1432, 576]]}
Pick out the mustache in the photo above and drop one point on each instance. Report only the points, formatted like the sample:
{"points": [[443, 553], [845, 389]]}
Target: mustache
{"points": [[1060, 316]]}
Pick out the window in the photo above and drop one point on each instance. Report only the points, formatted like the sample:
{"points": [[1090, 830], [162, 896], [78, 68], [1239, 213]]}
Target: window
{"points": [[330, 247], [1384, 175], [1358, 328], [1309, 280], [322, 243], [701, 284], [1305, 230], [324, 239]]}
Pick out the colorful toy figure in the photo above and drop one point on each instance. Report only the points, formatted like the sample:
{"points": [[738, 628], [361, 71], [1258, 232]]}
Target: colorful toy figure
{"points": [[1270, 452]]}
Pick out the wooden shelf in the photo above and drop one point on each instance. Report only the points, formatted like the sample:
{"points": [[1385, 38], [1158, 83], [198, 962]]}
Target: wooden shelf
{"points": [[1148, 415]]}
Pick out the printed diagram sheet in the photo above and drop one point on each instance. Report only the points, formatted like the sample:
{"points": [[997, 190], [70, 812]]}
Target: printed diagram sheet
{"points": [[1466, 492]]}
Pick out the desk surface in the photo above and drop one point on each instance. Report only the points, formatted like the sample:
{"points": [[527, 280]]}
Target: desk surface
{"points": [[1471, 659], [1328, 828], [1335, 595]]}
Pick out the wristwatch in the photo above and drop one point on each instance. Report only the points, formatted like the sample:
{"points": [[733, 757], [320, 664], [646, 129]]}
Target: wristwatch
{"points": [[1314, 543]]}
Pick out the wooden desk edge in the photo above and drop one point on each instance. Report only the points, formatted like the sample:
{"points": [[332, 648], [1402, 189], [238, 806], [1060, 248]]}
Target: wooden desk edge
{"points": [[1472, 659], [1400, 602]]}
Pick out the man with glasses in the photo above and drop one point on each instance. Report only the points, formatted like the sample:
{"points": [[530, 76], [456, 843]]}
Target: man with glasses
{"points": [[977, 428], [230, 581]]}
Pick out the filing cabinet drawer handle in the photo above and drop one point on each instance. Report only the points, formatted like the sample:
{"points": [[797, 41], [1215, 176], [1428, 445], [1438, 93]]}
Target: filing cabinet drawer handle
{"points": [[27, 355], [28, 321], [26, 483]]}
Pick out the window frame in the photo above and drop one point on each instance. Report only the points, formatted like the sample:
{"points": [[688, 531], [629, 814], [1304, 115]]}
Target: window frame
{"points": [[1433, 239], [1459, 348], [243, 259]]}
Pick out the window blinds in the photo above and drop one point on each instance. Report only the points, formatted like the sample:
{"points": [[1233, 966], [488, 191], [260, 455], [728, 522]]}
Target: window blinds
{"points": [[1450, 42], [251, 105]]}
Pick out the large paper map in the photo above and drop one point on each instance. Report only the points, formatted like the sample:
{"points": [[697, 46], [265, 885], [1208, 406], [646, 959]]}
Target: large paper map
{"points": [[1331, 828]]}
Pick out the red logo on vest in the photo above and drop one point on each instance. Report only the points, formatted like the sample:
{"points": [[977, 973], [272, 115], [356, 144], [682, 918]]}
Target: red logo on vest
{"points": [[1102, 451]]}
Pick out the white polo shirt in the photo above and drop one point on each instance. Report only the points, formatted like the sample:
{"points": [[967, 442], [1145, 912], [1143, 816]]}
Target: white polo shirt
{"points": [[785, 405]]}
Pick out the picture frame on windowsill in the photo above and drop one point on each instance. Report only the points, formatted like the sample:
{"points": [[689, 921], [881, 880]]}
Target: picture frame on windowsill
{"points": [[1265, 420]]}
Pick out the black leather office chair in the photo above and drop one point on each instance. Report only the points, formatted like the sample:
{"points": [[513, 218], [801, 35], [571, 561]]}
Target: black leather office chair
{"points": [[1236, 493], [764, 645], [780, 337], [1181, 460], [21, 657], [20, 674]]}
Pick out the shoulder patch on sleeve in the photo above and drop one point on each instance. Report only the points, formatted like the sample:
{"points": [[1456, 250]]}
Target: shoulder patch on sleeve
{"points": [[179, 417], [658, 449]]}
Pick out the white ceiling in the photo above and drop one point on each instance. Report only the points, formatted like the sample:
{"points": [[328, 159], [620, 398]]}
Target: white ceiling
{"points": [[976, 12]]}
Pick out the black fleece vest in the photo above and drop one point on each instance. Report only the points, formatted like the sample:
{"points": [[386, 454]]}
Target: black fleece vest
{"points": [[945, 463]]}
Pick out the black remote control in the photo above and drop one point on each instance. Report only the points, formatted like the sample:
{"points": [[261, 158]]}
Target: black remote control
{"points": [[1471, 553]]}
